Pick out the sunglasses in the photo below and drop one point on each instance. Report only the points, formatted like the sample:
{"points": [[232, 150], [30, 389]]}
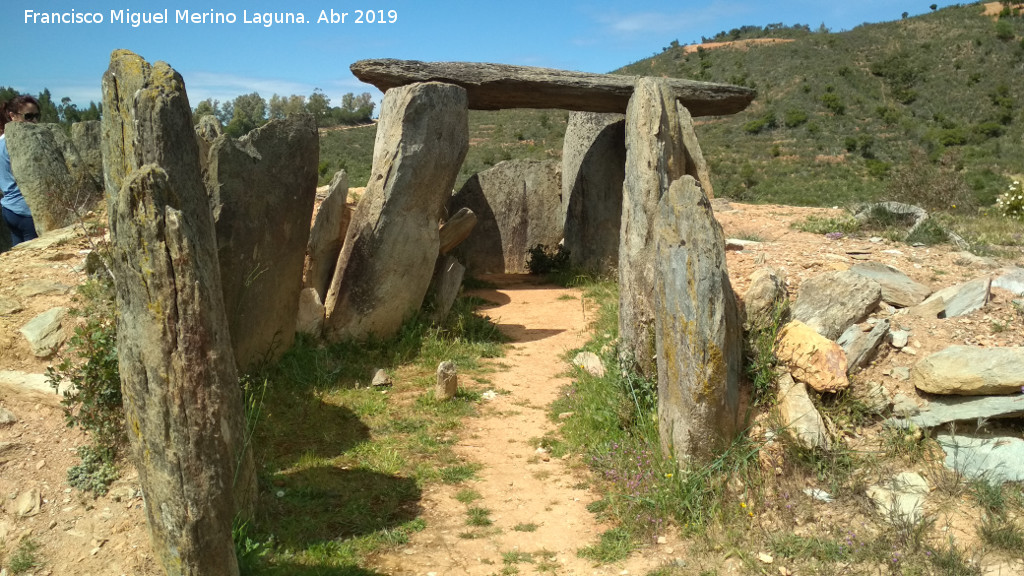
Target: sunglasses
{"points": [[32, 116]]}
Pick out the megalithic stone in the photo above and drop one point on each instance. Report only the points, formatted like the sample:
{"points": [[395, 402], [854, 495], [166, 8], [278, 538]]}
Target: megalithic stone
{"points": [[655, 157], [697, 322], [55, 182], [498, 86], [593, 170], [391, 245], [262, 188], [183, 405], [327, 235]]}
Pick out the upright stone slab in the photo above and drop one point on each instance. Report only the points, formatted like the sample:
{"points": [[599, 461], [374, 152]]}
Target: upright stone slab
{"points": [[518, 206], [51, 175], [87, 138], [698, 326], [593, 171], [391, 245], [262, 188], [655, 157], [327, 235], [182, 402]]}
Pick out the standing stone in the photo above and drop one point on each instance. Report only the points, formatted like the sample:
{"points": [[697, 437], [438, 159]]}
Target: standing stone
{"points": [[87, 138], [385, 266], [447, 381], [183, 405], [448, 275], [518, 206], [593, 170], [832, 301], [656, 156], [262, 188], [699, 334], [327, 235], [57, 187], [310, 317]]}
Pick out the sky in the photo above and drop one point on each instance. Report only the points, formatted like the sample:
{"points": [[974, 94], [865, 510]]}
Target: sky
{"points": [[224, 60]]}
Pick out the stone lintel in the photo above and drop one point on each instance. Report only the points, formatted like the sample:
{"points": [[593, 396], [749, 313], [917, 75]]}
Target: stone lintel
{"points": [[499, 86]]}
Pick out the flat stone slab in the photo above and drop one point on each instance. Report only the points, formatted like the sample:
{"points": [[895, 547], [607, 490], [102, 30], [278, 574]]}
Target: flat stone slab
{"points": [[1011, 279], [954, 408], [997, 460], [500, 86]]}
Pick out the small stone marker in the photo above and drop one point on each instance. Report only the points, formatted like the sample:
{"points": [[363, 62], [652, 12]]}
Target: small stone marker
{"points": [[447, 381], [381, 378]]}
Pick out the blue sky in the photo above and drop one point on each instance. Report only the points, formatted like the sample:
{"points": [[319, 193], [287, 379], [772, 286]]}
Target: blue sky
{"points": [[224, 60]]}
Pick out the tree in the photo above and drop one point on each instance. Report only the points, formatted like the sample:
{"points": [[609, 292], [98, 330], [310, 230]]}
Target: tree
{"points": [[275, 107], [318, 105], [47, 109], [207, 107], [249, 111]]}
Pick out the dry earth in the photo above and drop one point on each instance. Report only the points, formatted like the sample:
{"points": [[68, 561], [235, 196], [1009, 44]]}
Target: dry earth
{"points": [[83, 536]]}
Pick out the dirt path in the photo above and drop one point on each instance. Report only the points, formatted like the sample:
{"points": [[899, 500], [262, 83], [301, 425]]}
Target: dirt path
{"points": [[519, 486]]}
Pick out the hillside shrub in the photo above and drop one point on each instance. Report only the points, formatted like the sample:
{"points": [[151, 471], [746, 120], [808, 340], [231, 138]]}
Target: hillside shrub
{"points": [[544, 260], [794, 117], [1011, 202], [765, 122], [93, 402], [832, 101], [933, 186]]}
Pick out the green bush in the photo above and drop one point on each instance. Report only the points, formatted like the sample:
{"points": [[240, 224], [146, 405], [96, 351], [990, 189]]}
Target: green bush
{"points": [[94, 400], [544, 260], [832, 102], [96, 472], [794, 117]]}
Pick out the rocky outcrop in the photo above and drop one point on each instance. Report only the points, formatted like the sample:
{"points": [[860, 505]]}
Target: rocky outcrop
{"points": [[956, 300], [56, 183], [182, 401], [897, 288], [327, 235], [518, 206], [262, 188], [831, 302], [699, 334], [861, 346], [391, 246], [593, 171], [811, 358], [43, 333], [994, 460], [970, 371], [498, 86], [946, 409]]}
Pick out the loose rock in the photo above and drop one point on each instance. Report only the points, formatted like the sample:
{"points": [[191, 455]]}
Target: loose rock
{"points": [[829, 303], [970, 370], [812, 358]]}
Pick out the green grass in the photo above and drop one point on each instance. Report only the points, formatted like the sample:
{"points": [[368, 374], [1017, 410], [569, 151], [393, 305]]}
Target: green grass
{"points": [[344, 465], [24, 558], [527, 527], [477, 516], [467, 496], [614, 545]]}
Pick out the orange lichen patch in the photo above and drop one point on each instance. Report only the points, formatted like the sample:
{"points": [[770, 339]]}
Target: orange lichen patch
{"points": [[738, 44]]}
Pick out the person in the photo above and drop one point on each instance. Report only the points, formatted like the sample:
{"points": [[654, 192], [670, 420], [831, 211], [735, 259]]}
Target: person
{"points": [[16, 213]]}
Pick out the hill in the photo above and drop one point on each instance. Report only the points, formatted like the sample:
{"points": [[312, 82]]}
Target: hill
{"points": [[924, 109]]}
